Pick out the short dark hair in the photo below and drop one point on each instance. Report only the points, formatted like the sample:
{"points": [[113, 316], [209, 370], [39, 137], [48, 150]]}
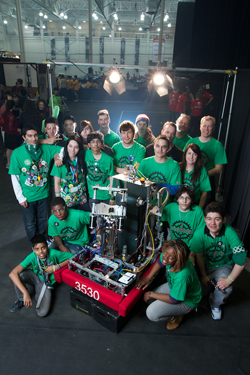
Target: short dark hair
{"points": [[162, 137], [56, 201], [27, 128], [185, 189], [51, 120], [215, 207], [95, 135], [55, 89], [103, 112], [20, 81], [169, 123], [127, 125], [69, 117], [39, 238]]}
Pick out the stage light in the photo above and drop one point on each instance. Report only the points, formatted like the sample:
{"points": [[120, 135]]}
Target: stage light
{"points": [[104, 28], [64, 27], [158, 79], [114, 77], [5, 22], [169, 24], [44, 27], [65, 17], [119, 28], [45, 16], [158, 29], [79, 27], [26, 26], [61, 14], [40, 13], [140, 29]]}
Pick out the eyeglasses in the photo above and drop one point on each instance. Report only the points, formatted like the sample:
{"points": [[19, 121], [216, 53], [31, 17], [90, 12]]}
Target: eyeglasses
{"points": [[95, 142], [184, 198], [51, 128], [59, 210]]}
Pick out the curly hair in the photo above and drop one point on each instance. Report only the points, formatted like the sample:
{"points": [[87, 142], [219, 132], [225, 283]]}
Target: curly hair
{"points": [[182, 253]]}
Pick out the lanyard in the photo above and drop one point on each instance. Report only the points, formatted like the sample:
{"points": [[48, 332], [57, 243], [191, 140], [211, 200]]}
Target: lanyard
{"points": [[44, 275], [74, 171]]}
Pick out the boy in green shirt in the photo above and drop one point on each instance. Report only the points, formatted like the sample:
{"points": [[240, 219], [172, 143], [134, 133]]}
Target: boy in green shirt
{"points": [[29, 170], [100, 167], [220, 255], [68, 227], [181, 136], [37, 269], [110, 137], [127, 152]]}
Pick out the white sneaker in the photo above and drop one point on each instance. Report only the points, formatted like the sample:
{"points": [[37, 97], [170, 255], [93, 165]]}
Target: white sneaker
{"points": [[216, 313]]}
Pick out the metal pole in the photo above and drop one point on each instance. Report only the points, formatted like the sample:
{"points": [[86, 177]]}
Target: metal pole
{"points": [[223, 108], [161, 30], [90, 31], [50, 87], [20, 30], [229, 117]]}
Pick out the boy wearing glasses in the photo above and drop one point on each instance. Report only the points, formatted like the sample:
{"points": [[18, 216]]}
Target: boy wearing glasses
{"points": [[68, 227]]}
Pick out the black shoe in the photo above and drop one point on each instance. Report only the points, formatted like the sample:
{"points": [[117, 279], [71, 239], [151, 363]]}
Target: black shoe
{"points": [[17, 306]]}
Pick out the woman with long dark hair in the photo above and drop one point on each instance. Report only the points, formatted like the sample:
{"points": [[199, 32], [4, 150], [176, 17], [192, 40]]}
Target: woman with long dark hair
{"points": [[194, 174], [70, 178], [85, 128], [12, 134], [42, 108]]}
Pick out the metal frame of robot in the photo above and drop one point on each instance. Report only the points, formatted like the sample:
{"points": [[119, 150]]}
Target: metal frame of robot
{"points": [[79, 273]]}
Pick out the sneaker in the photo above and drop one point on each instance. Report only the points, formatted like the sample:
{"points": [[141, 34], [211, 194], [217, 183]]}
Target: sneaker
{"points": [[216, 313], [17, 306]]}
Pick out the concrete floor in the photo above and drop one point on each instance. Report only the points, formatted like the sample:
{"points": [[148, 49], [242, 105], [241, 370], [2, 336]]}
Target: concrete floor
{"points": [[70, 342]]}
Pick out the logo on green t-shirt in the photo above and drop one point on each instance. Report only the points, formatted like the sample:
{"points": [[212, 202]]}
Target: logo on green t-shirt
{"points": [[215, 252], [27, 162], [188, 182], [68, 233], [123, 162], [181, 230], [95, 173], [205, 158], [156, 176]]}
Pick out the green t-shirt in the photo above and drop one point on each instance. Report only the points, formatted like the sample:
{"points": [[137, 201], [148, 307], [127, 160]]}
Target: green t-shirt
{"points": [[34, 176], [73, 229], [181, 142], [111, 139], [124, 156], [213, 152], [182, 224], [184, 285], [201, 185], [57, 101], [99, 173], [141, 141], [168, 172], [73, 193], [55, 257], [225, 249]]}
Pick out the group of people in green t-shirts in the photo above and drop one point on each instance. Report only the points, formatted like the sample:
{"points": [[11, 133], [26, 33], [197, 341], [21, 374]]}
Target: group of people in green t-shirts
{"points": [[90, 158]]}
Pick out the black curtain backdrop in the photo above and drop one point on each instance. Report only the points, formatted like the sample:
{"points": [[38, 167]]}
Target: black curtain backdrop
{"points": [[213, 34], [237, 173]]}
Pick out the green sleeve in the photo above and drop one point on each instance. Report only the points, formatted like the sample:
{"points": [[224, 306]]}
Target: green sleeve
{"points": [[14, 165], [237, 246], [176, 177], [220, 156], [50, 102], [165, 213], [197, 242], [141, 155], [27, 262], [52, 229], [56, 171], [85, 217], [204, 181]]}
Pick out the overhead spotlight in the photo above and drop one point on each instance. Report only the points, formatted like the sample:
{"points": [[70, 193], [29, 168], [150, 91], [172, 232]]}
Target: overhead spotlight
{"points": [[64, 27], [50, 20], [169, 24], [114, 81], [40, 13], [65, 16], [115, 16], [44, 27], [45, 16], [26, 26], [140, 29], [110, 35], [119, 28], [61, 14], [142, 16], [158, 29], [5, 22], [158, 79], [83, 21], [101, 22], [160, 83], [79, 27], [166, 17], [104, 28]]}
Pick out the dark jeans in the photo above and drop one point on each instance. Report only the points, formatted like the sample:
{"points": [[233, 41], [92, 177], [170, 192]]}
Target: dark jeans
{"points": [[72, 247], [35, 217]]}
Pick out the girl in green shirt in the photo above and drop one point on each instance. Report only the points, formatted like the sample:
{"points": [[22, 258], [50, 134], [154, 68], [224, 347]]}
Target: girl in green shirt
{"points": [[194, 174], [182, 292]]}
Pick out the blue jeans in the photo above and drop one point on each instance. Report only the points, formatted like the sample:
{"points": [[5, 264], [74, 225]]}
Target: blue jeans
{"points": [[35, 217], [72, 247]]}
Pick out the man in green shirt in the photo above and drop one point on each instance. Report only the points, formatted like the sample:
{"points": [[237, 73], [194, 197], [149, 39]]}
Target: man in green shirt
{"points": [[100, 167], [160, 168], [220, 256], [127, 152], [110, 137], [181, 136], [68, 227], [29, 170], [37, 269]]}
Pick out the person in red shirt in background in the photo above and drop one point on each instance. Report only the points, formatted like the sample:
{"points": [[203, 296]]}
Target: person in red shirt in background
{"points": [[181, 104], [207, 98], [189, 100], [196, 106], [173, 97]]}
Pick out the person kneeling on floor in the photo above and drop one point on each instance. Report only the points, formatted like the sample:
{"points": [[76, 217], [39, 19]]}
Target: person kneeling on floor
{"points": [[220, 255], [37, 269], [182, 291]]}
